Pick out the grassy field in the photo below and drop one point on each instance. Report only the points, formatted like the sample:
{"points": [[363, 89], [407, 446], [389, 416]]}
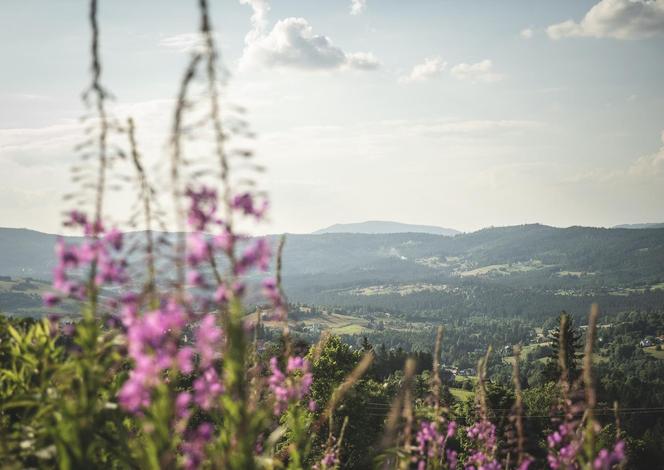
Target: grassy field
{"points": [[503, 269], [653, 352], [461, 394], [22, 298], [525, 350], [333, 322]]}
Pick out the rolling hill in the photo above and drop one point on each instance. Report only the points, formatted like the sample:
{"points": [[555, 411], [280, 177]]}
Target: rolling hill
{"points": [[379, 226], [411, 271]]}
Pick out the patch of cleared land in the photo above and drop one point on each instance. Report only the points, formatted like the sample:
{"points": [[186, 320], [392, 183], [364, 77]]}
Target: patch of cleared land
{"points": [[400, 289], [652, 350], [333, 322], [503, 269], [461, 394]]}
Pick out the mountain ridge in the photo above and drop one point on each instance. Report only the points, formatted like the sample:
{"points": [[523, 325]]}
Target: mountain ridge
{"points": [[385, 227]]}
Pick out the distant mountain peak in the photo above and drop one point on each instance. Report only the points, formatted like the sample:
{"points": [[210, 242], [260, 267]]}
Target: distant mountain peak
{"points": [[383, 226]]}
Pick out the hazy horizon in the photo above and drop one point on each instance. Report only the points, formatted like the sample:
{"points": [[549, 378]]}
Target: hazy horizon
{"points": [[456, 114]]}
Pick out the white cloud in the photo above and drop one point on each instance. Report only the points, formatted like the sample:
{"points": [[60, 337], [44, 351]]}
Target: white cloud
{"points": [[357, 6], [292, 43], [643, 169], [527, 33], [49, 145], [184, 42], [260, 9], [431, 67], [476, 73], [619, 19], [649, 165], [362, 61]]}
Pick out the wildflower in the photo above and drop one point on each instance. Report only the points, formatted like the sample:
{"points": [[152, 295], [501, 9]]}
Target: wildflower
{"points": [[256, 254], [193, 448], [184, 360], [198, 249], [482, 456], [430, 441], [224, 240], [207, 388], [202, 208], [272, 293], [195, 279], [208, 336], [182, 402], [245, 203], [221, 295], [152, 344], [607, 459], [129, 309], [50, 299], [564, 445], [291, 388], [76, 218], [113, 238]]}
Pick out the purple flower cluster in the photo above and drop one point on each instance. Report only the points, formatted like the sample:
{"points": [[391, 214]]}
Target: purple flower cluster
{"points": [[431, 444], [482, 457], [245, 202], [606, 459], [565, 445], [100, 249], [272, 293], [210, 233], [290, 387], [193, 447], [330, 460], [152, 343]]}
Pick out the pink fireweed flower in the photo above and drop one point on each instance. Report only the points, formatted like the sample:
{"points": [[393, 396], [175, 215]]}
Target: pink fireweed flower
{"points": [[76, 219], [452, 458], [129, 308], [564, 446], [224, 240], [606, 459], [182, 402], [256, 254], [152, 344], [134, 394], [289, 388], [525, 464], [483, 433], [67, 254], [114, 238], [221, 295], [207, 388], [271, 290], [196, 279], [272, 293], [50, 299], [93, 229], [193, 447], [110, 271], [238, 288], [202, 207], [245, 203], [184, 359], [208, 337], [431, 441], [198, 249]]}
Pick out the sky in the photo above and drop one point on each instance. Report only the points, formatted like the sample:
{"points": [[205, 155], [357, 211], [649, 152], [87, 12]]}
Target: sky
{"points": [[457, 113]]}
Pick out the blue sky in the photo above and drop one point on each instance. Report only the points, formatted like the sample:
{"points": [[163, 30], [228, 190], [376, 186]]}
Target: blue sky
{"points": [[457, 113]]}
